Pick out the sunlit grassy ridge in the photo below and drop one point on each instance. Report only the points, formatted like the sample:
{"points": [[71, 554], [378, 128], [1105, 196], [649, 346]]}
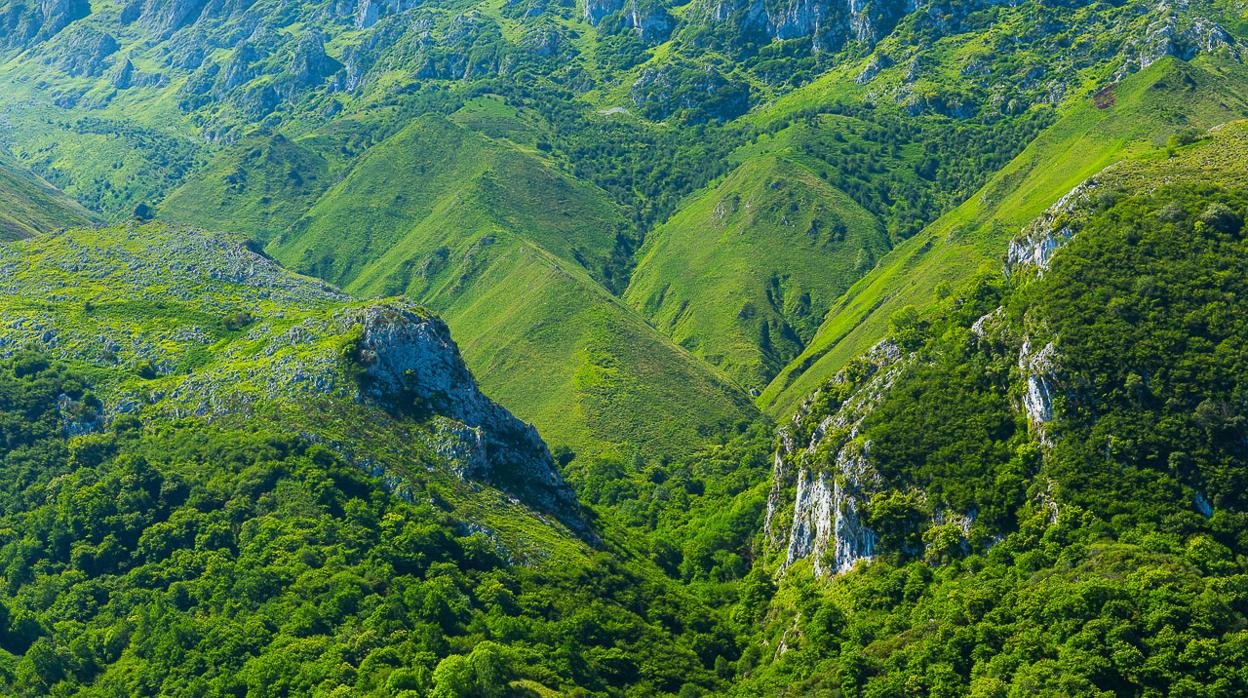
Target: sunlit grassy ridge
{"points": [[30, 205], [742, 274], [1149, 107], [514, 255]]}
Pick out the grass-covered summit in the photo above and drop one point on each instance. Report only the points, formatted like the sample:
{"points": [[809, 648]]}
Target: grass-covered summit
{"points": [[173, 322]]}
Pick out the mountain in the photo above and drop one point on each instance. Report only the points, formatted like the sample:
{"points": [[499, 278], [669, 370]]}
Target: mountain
{"points": [[30, 205], [1050, 444], [623, 348], [1144, 110], [742, 274], [514, 255], [240, 480]]}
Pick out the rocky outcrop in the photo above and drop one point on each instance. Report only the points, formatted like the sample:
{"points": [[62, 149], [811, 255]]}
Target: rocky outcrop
{"points": [[829, 524], [829, 24], [370, 12], [309, 64], [1173, 32], [24, 24], [1032, 249], [648, 18], [662, 91], [1039, 371], [283, 347], [829, 502], [409, 358], [163, 17], [80, 51]]}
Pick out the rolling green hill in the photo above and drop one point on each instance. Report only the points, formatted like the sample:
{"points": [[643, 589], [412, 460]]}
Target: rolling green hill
{"points": [[514, 255], [744, 272], [258, 186], [29, 205], [1145, 110]]}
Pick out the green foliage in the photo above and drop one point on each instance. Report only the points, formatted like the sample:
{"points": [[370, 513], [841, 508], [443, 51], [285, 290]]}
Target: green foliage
{"points": [[206, 559], [1106, 559]]}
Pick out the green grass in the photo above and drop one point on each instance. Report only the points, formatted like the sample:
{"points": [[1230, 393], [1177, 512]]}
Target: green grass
{"points": [[743, 273], [560, 351], [514, 255], [1151, 105], [29, 205], [258, 186]]}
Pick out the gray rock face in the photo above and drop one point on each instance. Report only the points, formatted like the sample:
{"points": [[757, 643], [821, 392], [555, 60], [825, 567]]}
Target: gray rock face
{"points": [[1172, 34], [830, 24], [828, 509], [648, 18], [164, 17], [410, 357], [829, 525], [309, 64], [1033, 248], [24, 24], [1039, 368], [80, 51]]}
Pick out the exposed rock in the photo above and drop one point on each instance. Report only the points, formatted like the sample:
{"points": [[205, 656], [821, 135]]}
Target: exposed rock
{"points": [[122, 74], [665, 90], [164, 17], [23, 25], [1033, 248], [829, 523], [828, 509], [1172, 34], [309, 64], [1039, 369], [80, 51], [369, 12]]}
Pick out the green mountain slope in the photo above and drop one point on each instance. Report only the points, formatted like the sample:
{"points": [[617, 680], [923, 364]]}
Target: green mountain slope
{"points": [[1146, 108], [513, 254], [29, 205], [219, 477], [744, 273], [258, 186], [1037, 459]]}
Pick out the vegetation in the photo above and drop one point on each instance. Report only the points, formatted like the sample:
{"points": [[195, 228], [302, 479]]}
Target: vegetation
{"points": [[1098, 561], [784, 425]]}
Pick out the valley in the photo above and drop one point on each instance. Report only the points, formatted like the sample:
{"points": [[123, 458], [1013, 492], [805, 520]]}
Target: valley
{"points": [[623, 348]]}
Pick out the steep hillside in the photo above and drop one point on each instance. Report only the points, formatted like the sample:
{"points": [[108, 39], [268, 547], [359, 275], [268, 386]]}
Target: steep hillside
{"points": [[258, 186], [744, 273], [1041, 455], [223, 478], [514, 254], [1144, 111], [220, 330], [30, 205], [396, 205]]}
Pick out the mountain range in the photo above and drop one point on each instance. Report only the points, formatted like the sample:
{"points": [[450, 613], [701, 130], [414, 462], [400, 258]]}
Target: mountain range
{"points": [[622, 347]]}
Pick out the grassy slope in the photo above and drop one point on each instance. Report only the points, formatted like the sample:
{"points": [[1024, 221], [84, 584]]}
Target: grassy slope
{"points": [[29, 205], [370, 223], [1150, 105], [81, 286], [259, 186], [511, 253], [743, 273]]}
